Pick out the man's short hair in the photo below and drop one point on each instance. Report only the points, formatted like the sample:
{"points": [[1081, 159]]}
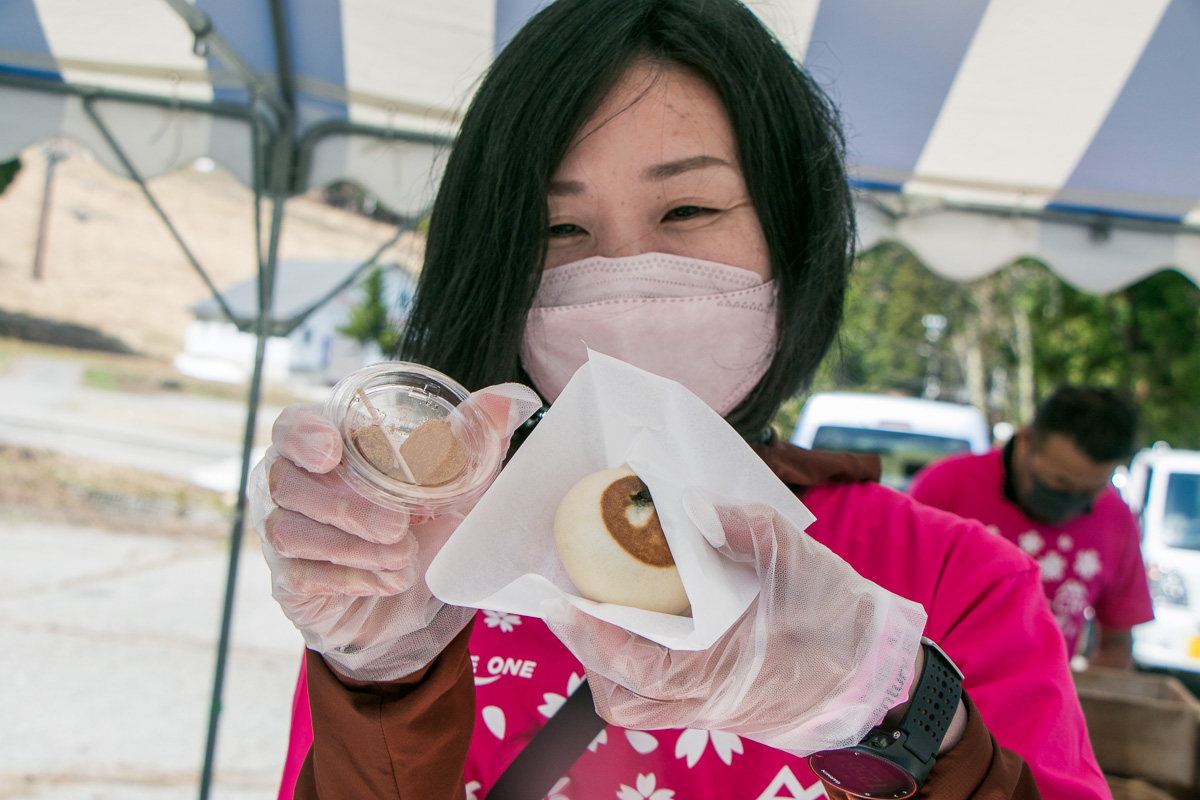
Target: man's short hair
{"points": [[1097, 419]]}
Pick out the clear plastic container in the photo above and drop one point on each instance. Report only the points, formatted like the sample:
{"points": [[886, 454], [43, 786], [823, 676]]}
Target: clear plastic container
{"points": [[400, 397]]}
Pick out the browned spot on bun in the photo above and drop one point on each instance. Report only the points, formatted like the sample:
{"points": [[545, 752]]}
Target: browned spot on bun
{"points": [[644, 542]]}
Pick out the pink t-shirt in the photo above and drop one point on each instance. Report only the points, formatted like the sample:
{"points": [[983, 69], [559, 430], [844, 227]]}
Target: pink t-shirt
{"points": [[983, 600], [1093, 560]]}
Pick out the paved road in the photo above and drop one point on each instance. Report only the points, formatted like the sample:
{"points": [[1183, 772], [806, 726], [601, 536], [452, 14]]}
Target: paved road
{"points": [[110, 639], [44, 404]]}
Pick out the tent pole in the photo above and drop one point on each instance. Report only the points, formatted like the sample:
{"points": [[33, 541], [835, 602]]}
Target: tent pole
{"points": [[279, 178], [239, 519], [295, 320], [210, 42]]}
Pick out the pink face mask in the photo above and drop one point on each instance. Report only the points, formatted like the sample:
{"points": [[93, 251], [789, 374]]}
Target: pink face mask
{"points": [[708, 326]]}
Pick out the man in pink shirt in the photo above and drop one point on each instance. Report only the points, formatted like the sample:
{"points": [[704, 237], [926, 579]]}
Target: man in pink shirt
{"points": [[1049, 491]]}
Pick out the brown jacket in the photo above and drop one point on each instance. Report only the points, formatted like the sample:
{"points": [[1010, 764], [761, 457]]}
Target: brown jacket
{"points": [[408, 739]]}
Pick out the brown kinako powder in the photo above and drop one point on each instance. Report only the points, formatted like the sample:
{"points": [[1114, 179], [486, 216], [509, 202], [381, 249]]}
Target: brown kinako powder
{"points": [[432, 452]]}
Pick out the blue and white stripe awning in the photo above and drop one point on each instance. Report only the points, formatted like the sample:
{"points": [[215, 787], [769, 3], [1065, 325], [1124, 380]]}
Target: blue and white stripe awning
{"points": [[979, 130], [982, 131], [357, 71]]}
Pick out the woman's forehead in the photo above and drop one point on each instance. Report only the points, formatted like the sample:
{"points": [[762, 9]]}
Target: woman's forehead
{"points": [[656, 111]]}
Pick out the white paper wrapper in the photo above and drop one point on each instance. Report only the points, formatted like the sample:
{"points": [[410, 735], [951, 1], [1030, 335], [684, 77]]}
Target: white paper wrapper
{"points": [[503, 557]]}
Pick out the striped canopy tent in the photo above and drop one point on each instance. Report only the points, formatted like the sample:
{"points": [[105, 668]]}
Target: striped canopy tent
{"points": [[979, 131]]}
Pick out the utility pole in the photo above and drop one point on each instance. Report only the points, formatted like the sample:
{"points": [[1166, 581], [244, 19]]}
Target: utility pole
{"points": [[53, 154]]}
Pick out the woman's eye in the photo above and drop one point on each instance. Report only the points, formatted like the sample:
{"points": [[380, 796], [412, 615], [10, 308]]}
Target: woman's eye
{"points": [[686, 212], [566, 229]]}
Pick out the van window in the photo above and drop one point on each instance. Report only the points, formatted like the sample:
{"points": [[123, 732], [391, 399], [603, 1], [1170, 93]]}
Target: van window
{"points": [[903, 454], [1181, 521]]}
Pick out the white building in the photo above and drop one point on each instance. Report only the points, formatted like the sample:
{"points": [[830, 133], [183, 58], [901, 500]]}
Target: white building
{"points": [[312, 301]]}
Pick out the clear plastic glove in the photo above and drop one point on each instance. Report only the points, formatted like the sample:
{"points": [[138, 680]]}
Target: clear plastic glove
{"points": [[350, 573], [814, 663]]}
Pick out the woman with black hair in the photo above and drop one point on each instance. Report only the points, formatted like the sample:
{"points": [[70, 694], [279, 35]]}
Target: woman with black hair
{"points": [[667, 156]]}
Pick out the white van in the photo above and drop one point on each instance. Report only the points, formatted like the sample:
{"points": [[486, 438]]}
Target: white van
{"points": [[1162, 486], [907, 432]]}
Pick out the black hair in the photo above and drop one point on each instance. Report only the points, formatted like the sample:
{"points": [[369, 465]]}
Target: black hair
{"points": [[489, 225], [1097, 419]]}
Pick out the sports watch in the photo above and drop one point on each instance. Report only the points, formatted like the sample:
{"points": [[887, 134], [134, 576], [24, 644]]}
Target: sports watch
{"points": [[894, 763]]}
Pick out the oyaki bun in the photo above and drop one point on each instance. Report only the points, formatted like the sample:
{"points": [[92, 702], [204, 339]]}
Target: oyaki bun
{"points": [[612, 544]]}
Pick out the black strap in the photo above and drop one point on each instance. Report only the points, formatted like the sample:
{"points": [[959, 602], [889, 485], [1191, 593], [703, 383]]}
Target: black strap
{"points": [[934, 702], [553, 750]]}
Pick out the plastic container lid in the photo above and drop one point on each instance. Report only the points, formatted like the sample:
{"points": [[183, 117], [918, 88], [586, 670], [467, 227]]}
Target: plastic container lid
{"points": [[399, 398]]}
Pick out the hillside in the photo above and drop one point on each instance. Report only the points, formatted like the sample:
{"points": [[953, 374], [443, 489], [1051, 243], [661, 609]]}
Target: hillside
{"points": [[109, 262]]}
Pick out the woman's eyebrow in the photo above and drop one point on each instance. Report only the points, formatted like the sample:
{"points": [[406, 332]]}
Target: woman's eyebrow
{"points": [[657, 172], [660, 172], [565, 188]]}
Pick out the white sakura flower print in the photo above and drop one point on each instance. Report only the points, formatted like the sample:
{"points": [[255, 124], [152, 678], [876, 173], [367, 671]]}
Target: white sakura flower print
{"points": [[552, 701], [645, 790], [725, 745], [472, 788], [692, 743], [993, 529], [556, 790], [1053, 566], [1068, 605], [501, 619], [494, 719], [1065, 542], [1031, 542], [601, 738], [1087, 564], [641, 741]]}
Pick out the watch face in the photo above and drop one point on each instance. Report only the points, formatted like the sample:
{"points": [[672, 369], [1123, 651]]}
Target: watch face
{"points": [[863, 774]]}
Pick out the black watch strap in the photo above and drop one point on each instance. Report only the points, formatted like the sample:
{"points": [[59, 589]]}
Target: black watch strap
{"points": [[934, 702], [894, 761]]}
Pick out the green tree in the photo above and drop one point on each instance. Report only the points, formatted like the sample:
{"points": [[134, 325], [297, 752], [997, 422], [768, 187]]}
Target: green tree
{"points": [[8, 171], [1144, 339], [1014, 335], [1163, 337], [883, 344], [369, 320]]}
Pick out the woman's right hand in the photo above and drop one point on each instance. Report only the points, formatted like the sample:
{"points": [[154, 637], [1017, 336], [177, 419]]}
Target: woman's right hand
{"points": [[350, 574], [813, 664]]}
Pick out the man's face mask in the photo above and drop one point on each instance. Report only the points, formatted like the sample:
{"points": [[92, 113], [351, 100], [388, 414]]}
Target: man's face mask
{"points": [[1053, 505], [708, 326]]}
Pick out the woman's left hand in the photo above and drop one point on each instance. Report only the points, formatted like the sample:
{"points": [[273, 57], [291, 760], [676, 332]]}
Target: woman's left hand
{"points": [[814, 663]]}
